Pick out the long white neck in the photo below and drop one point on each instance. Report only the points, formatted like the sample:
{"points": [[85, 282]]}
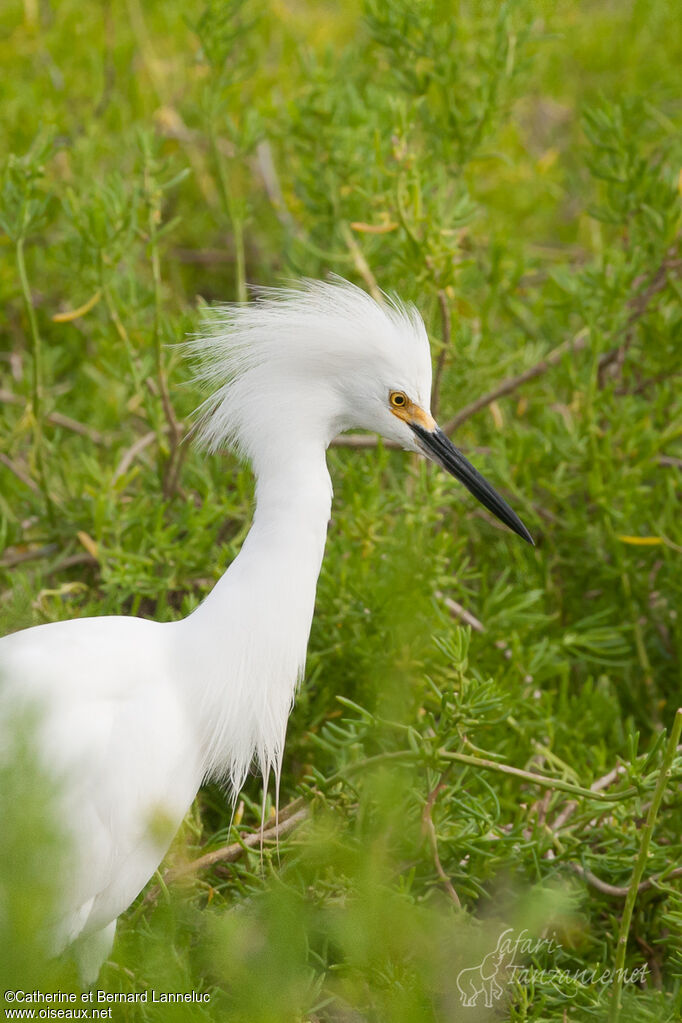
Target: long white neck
{"points": [[248, 639]]}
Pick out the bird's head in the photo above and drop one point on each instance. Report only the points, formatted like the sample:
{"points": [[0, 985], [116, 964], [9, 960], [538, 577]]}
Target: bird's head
{"points": [[303, 364]]}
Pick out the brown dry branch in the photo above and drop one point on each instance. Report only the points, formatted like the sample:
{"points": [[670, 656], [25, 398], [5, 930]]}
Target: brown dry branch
{"points": [[12, 558], [599, 785], [131, 454], [70, 561], [644, 385], [654, 958], [19, 472], [287, 820], [362, 440], [541, 807], [457, 611], [575, 344], [202, 257], [171, 467], [57, 418], [615, 891], [445, 348], [143, 442], [172, 476], [638, 305], [618, 891], [361, 265], [428, 828], [170, 125], [178, 450], [265, 165]]}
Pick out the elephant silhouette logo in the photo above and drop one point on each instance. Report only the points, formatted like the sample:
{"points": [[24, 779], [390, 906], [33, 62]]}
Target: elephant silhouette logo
{"points": [[484, 978]]}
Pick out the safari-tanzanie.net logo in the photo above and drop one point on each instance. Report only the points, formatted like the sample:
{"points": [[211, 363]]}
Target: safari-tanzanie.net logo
{"points": [[507, 964]]}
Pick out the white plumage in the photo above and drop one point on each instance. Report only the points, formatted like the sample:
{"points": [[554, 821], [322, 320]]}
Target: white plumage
{"points": [[135, 713]]}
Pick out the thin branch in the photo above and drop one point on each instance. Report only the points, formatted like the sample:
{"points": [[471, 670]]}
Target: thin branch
{"points": [[230, 209], [131, 454], [445, 347], [428, 828], [12, 558], [621, 891], [361, 264], [57, 418], [664, 776], [575, 344], [19, 473], [599, 785], [653, 962], [172, 467], [457, 611], [545, 781], [288, 819], [70, 561], [644, 385], [232, 853], [120, 329], [139, 446], [37, 386], [532, 777], [638, 305], [204, 257], [268, 172], [265, 166], [362, 440]]}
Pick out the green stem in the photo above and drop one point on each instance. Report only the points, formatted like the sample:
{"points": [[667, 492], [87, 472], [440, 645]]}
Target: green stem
{"points": [[543, 780], [120, 328], [37, 383], [162, 885], [156, 276], [168, 474], [534, 778], [235, 220], [664, 776], [240, 267]]}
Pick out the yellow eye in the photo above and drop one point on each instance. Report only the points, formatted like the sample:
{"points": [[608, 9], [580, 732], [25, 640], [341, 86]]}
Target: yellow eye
{"points": [[397, 399]]}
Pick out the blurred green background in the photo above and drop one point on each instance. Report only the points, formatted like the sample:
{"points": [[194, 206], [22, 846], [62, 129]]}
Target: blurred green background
{"points": [[515, 170]]}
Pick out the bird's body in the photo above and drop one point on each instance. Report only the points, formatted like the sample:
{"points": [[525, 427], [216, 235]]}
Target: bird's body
{"points": [[134, 713], [131, 735], [124, 786]]}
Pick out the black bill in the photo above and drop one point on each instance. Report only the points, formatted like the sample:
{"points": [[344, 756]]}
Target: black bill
{"points": [[437, 445]]}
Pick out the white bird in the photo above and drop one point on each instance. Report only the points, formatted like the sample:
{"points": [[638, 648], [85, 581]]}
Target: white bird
{"points": [[135, 714]]}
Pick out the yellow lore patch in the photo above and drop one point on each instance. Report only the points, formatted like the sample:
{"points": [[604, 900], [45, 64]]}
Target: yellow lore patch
{"points": [[409, 412]]}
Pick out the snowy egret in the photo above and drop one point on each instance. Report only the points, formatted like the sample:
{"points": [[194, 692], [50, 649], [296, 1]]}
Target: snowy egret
{"points": [[136, 713]]}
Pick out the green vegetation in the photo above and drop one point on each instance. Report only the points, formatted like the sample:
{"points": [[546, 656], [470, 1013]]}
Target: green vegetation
{"points": [[514, 169]]}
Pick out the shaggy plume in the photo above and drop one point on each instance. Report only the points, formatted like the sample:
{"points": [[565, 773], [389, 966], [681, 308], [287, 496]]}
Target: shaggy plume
{"points": [[313, 330]]}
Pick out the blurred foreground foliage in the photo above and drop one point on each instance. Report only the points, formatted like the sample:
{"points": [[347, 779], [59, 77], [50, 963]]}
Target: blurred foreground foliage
{"points": [[515, 170]]}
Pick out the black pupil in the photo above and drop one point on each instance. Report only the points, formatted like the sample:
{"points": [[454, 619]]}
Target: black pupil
{"points": [[399, 399]]}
